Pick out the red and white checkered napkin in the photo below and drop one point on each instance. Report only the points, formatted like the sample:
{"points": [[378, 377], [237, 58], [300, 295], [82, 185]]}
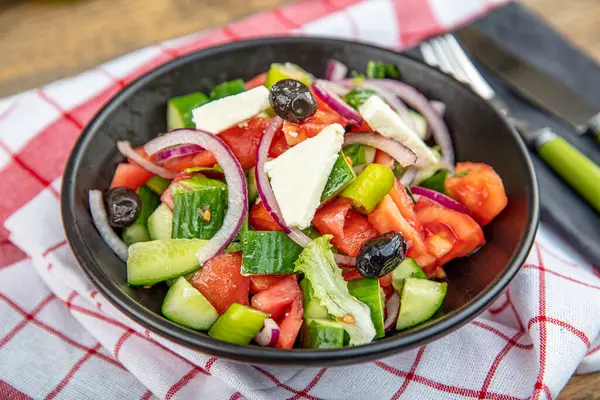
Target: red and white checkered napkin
{"points": [[60, 338]]}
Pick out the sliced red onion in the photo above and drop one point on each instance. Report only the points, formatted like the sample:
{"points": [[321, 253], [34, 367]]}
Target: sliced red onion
{"points": [[100, 219], [269, 334], [396, 104], [409, 176], [237, 205], [392, 307], [400, 152], [177, 151], [127, 151], [345, 260], [439, 107], [337, 104], [335, 70], [416, 100], [440, 198]]}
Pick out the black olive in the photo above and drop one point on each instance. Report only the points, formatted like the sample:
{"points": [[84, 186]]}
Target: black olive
{"points": [[292, 100], [381, 255], [122, 206]]}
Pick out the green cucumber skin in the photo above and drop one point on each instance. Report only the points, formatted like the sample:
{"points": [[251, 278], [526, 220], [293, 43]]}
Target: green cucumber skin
{"points": [[322, 334], [158, 260], [150, 202], [437, 181], [252, 187], [367, 291], [341, 175], [160, 223], [268, 252], [226, 89], [158, 185], [188, 222], [179, 110], [408, 268], [134, 234], [186, 306], [419, 301], [238, 324], [312, 308]]}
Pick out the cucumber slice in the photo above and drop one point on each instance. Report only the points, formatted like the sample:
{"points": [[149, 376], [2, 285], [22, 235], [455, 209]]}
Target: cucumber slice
{"points": [[420, 300], [420, 123], [179, 110], [360, 154], [185, 305], [322, 334], [158, 185], [134, 234], [225, 89], [312, 308], [341, 175], [367, 291], [158, 260], [252, 187], [278, 72], [238, 325], [269, 252], [160, 223], [406, 269]]}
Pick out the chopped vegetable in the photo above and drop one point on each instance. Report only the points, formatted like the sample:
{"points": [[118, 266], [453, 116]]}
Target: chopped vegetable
{"points": [[322, 334], [260, 219], [406, 269], [278, 72], [258, 283], [238, 325], [367, 290], [226, 89], [129, 176], [158, 185], [269, 253], [367, 190], [312, 305], [436, 181], [356, 97], [185, 305], [318, 266], [278, 298], [179, 110], [160, 223], [381, 70], [420, 299], [341, 175], [290, 325], [360, 154], [137, 232], [252, 188]]}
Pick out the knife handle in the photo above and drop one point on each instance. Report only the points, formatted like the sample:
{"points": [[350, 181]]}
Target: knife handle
{"points": [[576, 169]]}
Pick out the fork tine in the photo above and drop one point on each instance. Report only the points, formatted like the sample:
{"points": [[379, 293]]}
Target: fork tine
{"points": [[446, 52], [443, 62], [469, 72], [429, 55]]}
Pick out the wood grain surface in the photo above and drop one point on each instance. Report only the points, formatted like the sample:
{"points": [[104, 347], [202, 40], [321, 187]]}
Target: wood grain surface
{"points": [[44, 40]]}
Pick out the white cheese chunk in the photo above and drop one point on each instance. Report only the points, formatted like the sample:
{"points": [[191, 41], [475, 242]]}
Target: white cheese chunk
{"points": [[218, 115], [384, 120], [299, 175]]}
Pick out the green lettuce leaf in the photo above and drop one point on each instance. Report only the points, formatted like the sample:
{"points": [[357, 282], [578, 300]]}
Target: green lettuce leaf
{"points": [[318, 266]]}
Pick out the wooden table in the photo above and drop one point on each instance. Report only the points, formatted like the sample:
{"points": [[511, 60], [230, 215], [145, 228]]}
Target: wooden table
{"points": [[44, 40]]}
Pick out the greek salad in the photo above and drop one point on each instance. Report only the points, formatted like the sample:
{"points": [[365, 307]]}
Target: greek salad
{"points": [[291, 211]]}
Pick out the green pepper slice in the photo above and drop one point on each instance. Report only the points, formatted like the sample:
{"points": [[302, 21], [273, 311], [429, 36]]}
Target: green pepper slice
{"points": [[369, 187]]}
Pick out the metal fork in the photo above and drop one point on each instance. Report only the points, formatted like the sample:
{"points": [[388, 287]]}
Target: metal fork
{"points": [[577, 170]]}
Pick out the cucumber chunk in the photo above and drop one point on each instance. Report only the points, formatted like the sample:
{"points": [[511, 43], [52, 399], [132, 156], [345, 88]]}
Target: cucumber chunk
{"points": [[179, 110], [158, 260], [134, 234], [367, 290], [279, 72], [341, 175], [158, 185], [185, 305], [312, 307], [360, 154], [252, 186], [160, 223], [269, 252], [238, 325], [225, 89], [137, 232], [322, 334], [420, 300], [406, 269]]}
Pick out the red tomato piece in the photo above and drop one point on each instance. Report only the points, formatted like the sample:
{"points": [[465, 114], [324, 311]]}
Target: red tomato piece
{"points": [[221, 282], [290, 325], [243, 140], [351, 274], [405, 204], [479, 188], [278, 297], [349, 229], [200, 159], [383, 158], [364, 127], [449, 234], [258, 80], [260, 219], [130, 176], [278, 145], [258, 283], [141, 152], [296, 133], [386, 280]]}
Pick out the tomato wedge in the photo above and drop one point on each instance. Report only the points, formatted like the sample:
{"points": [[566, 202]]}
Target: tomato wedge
{"points": [[383, 158], [260, 219], [296, 133], [290, 324], [349, 229], [130, 176], [221, 282], [479, 188], [258, 283], [449, 234], [278, 297], [258, 80]]}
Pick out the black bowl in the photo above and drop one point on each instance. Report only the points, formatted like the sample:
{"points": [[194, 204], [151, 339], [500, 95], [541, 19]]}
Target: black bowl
{"points": [[138, 114]]}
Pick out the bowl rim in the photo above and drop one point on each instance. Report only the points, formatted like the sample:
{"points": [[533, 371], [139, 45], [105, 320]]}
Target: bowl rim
{"points": [[343, 356]]}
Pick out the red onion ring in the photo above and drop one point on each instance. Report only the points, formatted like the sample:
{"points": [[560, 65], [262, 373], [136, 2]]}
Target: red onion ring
{"points": [[127, 151], [401, 153], [335, 70], [409, 176], [439, 107], [416, 100], [392, 307], [234, 176], [396, 104], [440, 199], [177, 151], [100, 219], [269, 334], [337, 104]]}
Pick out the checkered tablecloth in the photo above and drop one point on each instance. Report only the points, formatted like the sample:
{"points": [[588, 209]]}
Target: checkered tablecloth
{"points": [[59, 337]]}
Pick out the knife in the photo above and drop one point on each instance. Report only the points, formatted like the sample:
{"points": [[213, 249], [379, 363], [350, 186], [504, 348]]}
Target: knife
{"points": [[533, 84]]}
